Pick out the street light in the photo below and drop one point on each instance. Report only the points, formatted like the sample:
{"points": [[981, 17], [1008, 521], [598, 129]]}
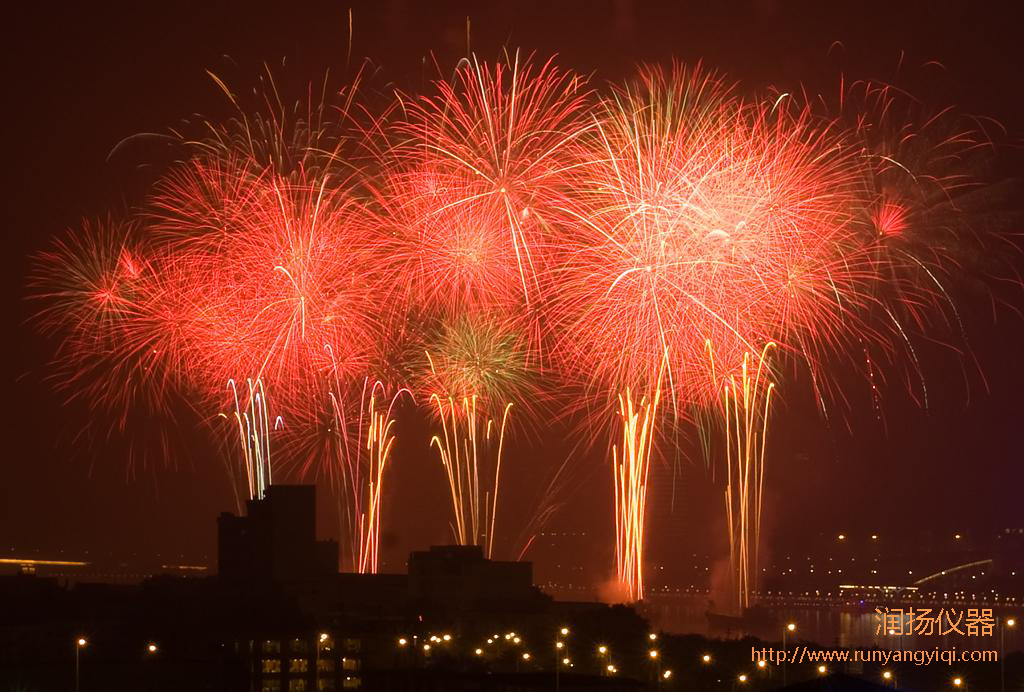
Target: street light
{"points": [[559, 645], [654, 656], [152, 648], [706, 658], [790, 627], [1010, 622], [79, 645], [602, 651], [822, 670], [889, 677]]}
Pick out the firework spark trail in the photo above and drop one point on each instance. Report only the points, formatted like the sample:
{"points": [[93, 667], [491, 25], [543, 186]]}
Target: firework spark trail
{"points": [[477, 366], [359, 479], [746, 399], [472, 460], [630, 472], [253, 420]]}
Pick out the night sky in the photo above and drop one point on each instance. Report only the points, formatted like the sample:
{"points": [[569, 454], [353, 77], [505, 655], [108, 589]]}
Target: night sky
{"points": [[81, 79]]}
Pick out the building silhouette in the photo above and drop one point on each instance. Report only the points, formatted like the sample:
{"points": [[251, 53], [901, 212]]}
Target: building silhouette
{"points": [[276, 539]]}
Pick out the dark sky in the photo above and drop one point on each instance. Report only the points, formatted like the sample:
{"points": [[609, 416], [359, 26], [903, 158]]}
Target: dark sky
{"points": [[80, 79]]}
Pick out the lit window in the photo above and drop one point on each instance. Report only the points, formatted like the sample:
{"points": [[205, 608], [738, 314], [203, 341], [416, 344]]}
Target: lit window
{"points": [[298, 665], [270, 685], [271, 646], [351, 683], [325, 684], [297, 685], [350, 664], [271, 665], [299, 645], [325, 665]]}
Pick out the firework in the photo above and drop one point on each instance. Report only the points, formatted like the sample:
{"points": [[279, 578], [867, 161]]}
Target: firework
{"points": [[509, 221], [470, 448], [926, 225], [481, 166], [252, 419], [477, 370], [702, 218], [631, 467], [347, 436], [745, 402]]}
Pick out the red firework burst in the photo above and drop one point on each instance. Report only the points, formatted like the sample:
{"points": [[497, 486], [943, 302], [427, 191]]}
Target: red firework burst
{"points": [[701, 219]]}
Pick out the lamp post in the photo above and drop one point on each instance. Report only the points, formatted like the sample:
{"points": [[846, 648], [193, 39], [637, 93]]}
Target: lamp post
{"points": [[559, 645], [79, 645], [602, 652], [959, 682], [1003, 624], [656, 660], [790, 627]]}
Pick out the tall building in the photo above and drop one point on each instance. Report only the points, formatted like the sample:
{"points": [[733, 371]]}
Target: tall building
{"points": [[276, 540]]}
